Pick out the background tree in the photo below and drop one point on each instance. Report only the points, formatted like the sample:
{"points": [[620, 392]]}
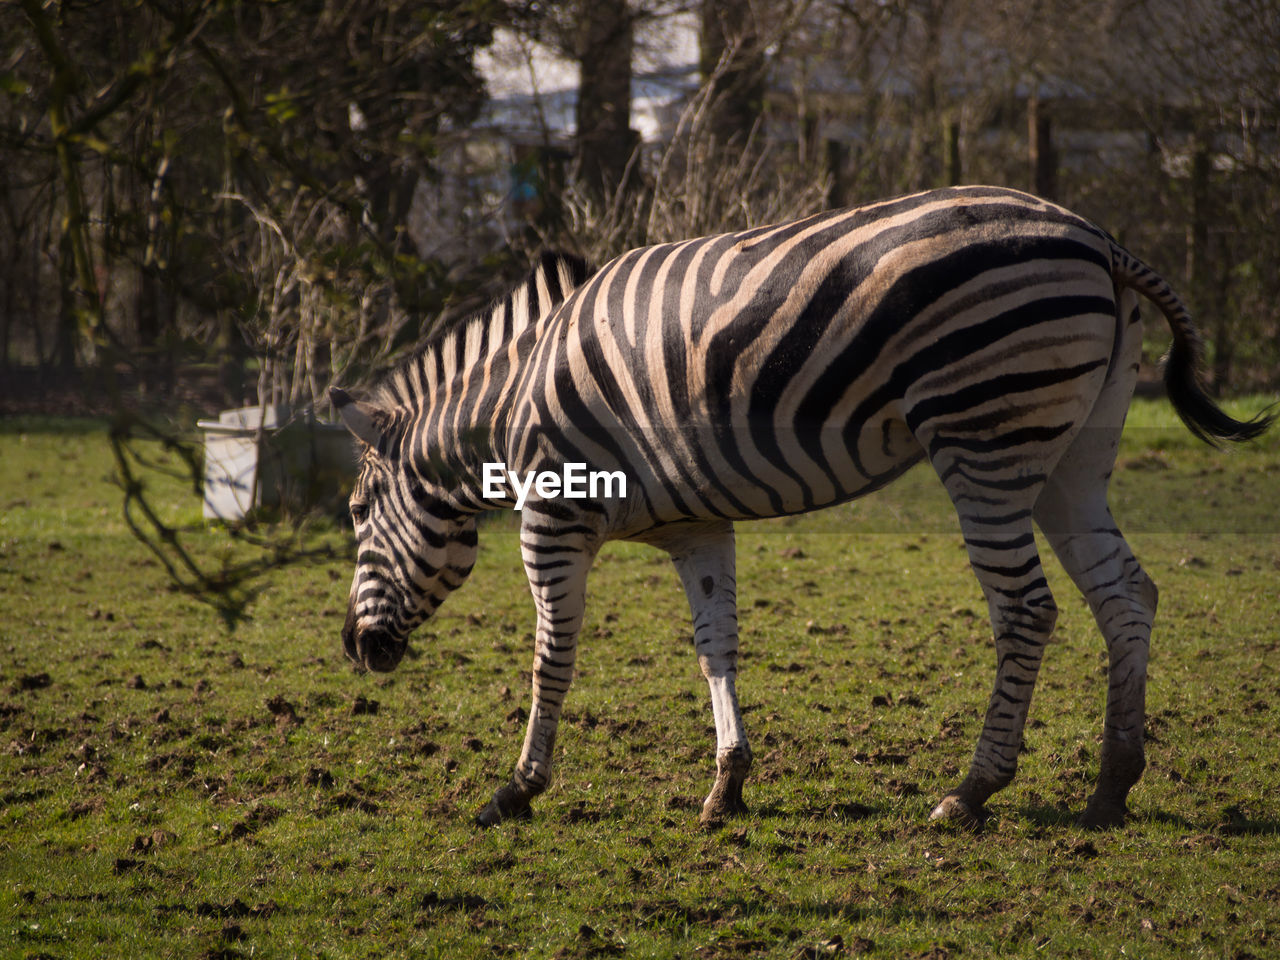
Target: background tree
{"points": [[218, 192], [226, 176], [606, 142], [1204, 83], [197, 104], [732, 61]]}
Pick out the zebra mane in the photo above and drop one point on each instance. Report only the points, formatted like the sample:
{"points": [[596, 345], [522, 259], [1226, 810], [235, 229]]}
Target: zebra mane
{"points": [[460, 344]]}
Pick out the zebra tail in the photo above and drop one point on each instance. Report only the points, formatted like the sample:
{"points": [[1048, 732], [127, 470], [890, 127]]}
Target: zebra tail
{"points": [[1182, 365]]}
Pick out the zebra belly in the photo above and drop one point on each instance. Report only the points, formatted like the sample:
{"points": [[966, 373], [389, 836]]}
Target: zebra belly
{"points": [[707, 472]]}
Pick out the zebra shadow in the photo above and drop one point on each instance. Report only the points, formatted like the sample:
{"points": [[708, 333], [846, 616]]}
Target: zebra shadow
{"points": [[1233, 820], [837, 811]]}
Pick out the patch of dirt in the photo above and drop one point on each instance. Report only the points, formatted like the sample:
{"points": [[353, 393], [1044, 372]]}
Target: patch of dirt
{"points": [[665, 913], [319, 777], [237, 909], [841, 811], [732, 947], [84, 808], [579, 813], [284, 712], [152, 842], [827, 948], [350, 801], [591, 944], [260, 816], [1083, 849], [30, 682]]}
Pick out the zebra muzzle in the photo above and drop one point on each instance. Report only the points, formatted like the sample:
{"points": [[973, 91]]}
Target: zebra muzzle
{"points": [[376, 649], [379, 650]]}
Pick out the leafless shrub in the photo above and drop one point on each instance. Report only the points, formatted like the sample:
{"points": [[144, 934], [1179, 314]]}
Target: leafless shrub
{"points": [[310, 320], [695, 184]]}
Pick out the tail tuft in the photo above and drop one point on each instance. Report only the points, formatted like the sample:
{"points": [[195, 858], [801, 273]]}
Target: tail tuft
{"points": [[1194, 406], [1203, 417]]}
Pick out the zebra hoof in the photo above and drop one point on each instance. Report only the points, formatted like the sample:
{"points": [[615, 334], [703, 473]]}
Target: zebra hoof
{"points": [[1102, 815], [953, 809], [715, 811], [725, 799], [507, 804]]}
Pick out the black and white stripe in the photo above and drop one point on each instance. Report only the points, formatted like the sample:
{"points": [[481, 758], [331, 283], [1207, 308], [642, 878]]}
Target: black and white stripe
{"points": [[777, 371]]}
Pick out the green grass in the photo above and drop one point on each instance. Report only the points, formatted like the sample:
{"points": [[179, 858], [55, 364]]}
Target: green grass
{"points": [[168, 788]]}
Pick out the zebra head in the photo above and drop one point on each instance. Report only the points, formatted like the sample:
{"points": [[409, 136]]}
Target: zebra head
{"points": [[413, 548]]}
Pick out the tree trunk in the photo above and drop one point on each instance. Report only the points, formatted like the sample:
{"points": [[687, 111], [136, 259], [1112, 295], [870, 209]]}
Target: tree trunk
{"points": [[951, 137], [925, 168], [1042, 159], [836, 159], [230, 361], [731, 56], [1200, 281], [68, 329], [606, 141]]}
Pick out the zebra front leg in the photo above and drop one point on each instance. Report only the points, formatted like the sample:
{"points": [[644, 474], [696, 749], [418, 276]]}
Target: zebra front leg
{"points": [[557, 569], [704, 558]]}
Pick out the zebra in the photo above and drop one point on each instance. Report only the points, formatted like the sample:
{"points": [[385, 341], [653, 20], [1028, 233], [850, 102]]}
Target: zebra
{"points": [[775, 371]]}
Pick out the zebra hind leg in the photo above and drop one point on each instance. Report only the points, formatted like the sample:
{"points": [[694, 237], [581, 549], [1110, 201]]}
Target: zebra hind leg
{"points": [[1002, 552], [704, 558], [1072, 513], [1075, 519]]}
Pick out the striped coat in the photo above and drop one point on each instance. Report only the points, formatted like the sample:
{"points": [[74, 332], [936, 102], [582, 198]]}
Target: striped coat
{"points": [[777, 371]]}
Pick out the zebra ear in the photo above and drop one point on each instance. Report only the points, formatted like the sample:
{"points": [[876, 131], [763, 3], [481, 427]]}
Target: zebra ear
{"points": [[361, 418]]}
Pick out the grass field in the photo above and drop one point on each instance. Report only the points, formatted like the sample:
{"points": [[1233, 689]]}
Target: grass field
{"points": [[171, 789]]}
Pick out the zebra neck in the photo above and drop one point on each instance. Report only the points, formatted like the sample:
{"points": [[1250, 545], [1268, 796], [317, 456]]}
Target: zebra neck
{"points": [[453, 399], [452, 425]]}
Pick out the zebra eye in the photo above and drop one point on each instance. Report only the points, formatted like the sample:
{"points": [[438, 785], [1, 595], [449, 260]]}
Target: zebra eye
{"points": [[359, 513]]}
